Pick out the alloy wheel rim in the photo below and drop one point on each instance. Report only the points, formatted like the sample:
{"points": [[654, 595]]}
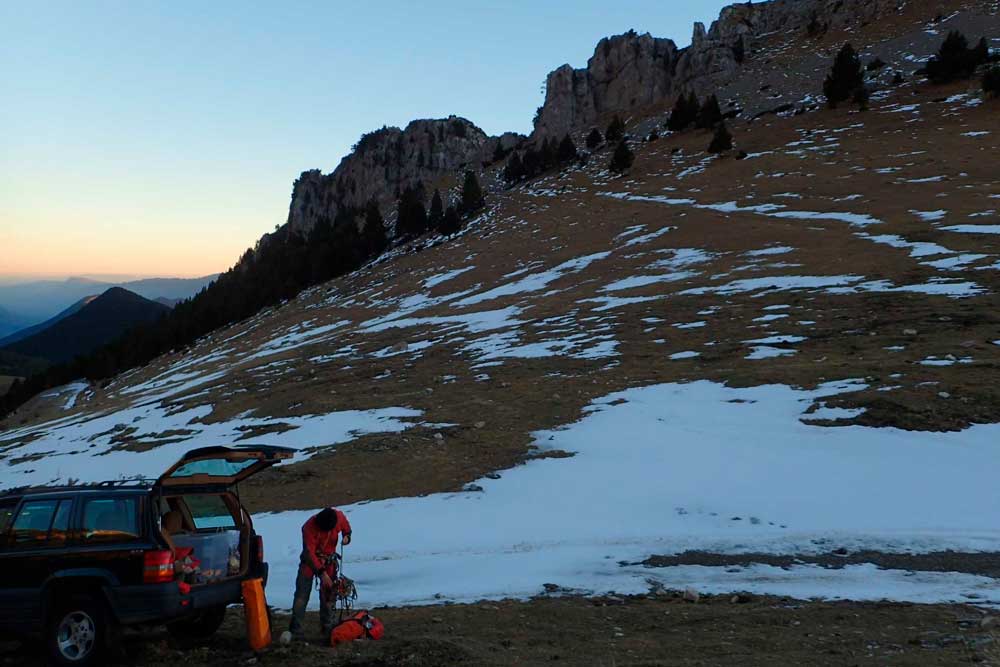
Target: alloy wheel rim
{"points": [[76, 635]]}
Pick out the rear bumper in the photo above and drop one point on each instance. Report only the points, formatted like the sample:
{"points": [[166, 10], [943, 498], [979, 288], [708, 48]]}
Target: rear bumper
{"points": [[161, 603]]}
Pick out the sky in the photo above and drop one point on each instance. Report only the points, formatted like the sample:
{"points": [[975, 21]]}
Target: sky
{"points": [[161, 139]]}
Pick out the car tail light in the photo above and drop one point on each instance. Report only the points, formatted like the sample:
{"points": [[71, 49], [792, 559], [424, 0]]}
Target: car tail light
{"points": [[158, 567], [260, 549]]}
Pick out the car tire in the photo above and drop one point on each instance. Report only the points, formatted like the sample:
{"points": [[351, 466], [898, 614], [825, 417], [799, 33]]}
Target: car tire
{"points": [[201, 625], [76, 633]]}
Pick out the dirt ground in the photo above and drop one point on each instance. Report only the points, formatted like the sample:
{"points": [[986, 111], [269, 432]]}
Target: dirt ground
{"points": [[661, 629]]}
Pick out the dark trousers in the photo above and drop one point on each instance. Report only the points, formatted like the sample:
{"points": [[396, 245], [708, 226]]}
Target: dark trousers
{"points": [[327, 604]]}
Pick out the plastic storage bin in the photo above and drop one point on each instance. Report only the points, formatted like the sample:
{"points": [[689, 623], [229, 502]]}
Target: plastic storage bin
{"points": [[214, 550]]}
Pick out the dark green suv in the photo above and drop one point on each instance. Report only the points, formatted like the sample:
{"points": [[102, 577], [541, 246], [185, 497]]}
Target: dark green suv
{"points": [[77, 562]]}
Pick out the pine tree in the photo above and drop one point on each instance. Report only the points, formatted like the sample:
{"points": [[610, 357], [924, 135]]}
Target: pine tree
{"points": [[991, 82], [513, 172], [844, 78], [709, 115], [411, 218], [955, 59], [532, 162], [436, 216], [375, 237], [594, 139], [622, 158], [472, 195], [722, 140], [451, 223], [980, 54], [498, 152], [739, 51], [616, 130], [567, 150], [684, 113], [549, 154], [418, 217]]}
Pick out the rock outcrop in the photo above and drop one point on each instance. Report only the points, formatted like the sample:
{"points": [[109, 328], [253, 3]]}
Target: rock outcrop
{"points": [[385, 161], [632, 72], [627, 73]]}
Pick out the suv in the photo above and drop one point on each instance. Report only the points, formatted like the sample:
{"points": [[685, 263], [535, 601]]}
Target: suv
{"points": [[77, 562]]}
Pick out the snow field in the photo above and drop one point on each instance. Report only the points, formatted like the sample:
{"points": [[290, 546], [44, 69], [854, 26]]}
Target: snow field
{"points": [[677, 467]]}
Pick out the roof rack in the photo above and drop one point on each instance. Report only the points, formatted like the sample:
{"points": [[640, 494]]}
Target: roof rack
{"points": [[134, 481], [106, 484]]}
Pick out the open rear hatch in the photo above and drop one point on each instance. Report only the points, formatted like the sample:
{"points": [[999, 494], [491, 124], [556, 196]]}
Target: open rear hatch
{"points": [[222, 466]]}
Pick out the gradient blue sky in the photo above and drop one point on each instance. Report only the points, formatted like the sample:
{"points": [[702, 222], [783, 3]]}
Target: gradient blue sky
{"points": [[142, 138]]}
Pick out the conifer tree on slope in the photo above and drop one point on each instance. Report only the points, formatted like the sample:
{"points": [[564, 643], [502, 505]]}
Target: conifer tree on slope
{"points": [[436, 215], [622, 159], [955, 60], [514, 172], [709, 115], [685, 113], [616, 129], [412, 216], [844, 78], [722, 140], [375, 237], [567, 150], [594, 139], [472, 195], [451, 223]]}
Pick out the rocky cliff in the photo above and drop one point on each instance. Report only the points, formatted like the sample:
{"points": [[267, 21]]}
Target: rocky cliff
{"points": [[385, 161], [632, 71], [627, 73]]}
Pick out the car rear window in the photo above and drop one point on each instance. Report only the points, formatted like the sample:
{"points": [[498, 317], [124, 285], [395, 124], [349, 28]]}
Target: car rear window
{"points": [[209, 511], [216, 467], [110, 519]]}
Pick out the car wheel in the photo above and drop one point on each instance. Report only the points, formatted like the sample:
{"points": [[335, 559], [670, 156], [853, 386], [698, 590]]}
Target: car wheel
{"points": [[202, 625], [76, 633]]}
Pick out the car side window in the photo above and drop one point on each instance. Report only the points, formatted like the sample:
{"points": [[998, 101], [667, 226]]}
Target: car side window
{"points": [[32, 524], [109, 520]]}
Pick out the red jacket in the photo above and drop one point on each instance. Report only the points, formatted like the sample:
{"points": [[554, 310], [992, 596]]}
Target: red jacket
{"points": [[318, 545]]}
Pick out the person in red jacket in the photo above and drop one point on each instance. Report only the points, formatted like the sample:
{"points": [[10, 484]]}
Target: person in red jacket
{"points": [[319, 544]]}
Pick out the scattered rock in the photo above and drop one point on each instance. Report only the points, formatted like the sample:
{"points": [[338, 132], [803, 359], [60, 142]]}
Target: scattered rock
{"points": [[480, 424], [691, 595], [909, 332], [492, 475]]}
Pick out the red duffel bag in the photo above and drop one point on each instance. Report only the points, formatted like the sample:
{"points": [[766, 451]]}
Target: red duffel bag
{"points": [[361, 625]]}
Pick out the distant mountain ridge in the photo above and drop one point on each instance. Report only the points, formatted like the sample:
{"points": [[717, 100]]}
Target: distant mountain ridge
{"points": [[21, 334], [98, 322], [32, 303], [9, 322]]}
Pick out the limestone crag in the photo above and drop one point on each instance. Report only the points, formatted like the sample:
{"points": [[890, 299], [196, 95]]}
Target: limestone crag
{"points": [[385, 161], [632, 71]]}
